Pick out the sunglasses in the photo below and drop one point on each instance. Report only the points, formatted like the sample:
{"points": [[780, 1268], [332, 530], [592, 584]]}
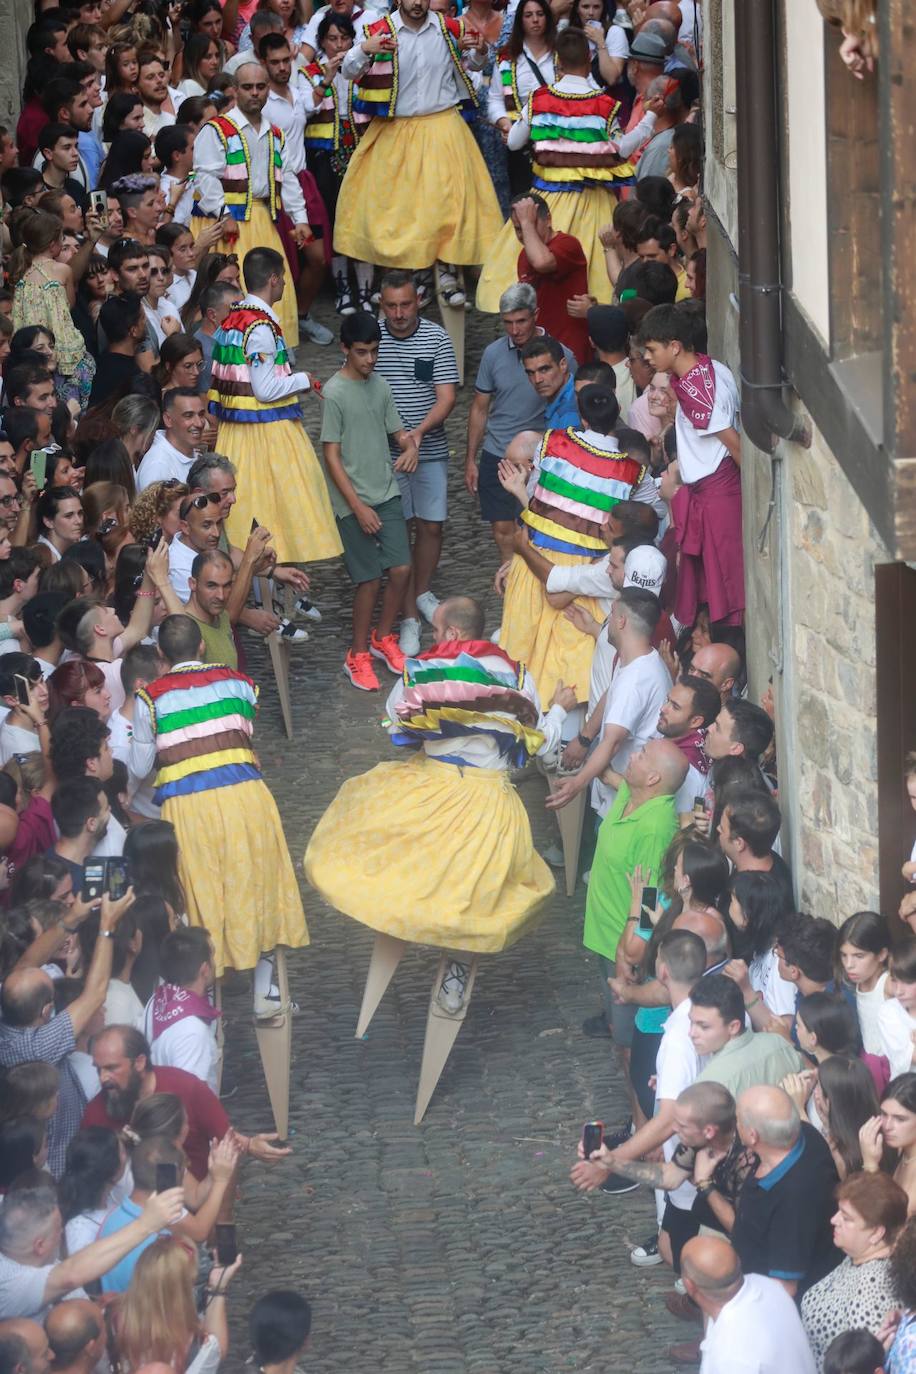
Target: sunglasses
{"points": [[206, 498]]}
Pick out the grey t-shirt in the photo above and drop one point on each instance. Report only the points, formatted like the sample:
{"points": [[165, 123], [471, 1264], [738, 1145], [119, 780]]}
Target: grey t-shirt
{"points": [[359, 416], [654, 161], [515, 405]]}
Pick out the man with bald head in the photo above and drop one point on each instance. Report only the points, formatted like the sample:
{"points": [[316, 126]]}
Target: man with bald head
{"points": [[240, 174], [76, 1333], [782, 1219], [744, 1312], [24, 1347], [635, 832], [719, 664], [29, 1029]]}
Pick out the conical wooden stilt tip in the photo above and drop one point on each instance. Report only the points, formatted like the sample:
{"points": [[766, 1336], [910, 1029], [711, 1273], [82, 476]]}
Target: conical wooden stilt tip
{"points": [[274, 1044], [387, 953], [442, 1029]]}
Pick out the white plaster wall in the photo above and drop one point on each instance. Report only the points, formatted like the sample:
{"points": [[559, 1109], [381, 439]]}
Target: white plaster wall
{"points": [[805, 94]]}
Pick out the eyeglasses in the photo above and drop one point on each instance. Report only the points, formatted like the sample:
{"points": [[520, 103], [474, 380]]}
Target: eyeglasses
{"points": [[206, 498], [14, 499], [194, 367], [227, 259], [172, 482]]}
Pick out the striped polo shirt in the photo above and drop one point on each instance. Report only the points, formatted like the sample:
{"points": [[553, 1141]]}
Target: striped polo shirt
{"points": [[413, 368]]}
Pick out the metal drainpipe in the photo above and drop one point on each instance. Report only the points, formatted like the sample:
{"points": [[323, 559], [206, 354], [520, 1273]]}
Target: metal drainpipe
{"points": [[765, 416]]}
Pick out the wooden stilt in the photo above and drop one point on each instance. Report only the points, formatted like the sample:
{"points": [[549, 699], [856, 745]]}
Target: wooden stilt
{"points": [[387, 953], [279, 651], [274, 1042], [220, 1033], [453, 323], [442, 1029], [570, 819]]}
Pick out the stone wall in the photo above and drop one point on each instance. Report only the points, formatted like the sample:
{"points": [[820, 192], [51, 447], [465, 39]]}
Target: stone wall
{"points": [[832, 551]]}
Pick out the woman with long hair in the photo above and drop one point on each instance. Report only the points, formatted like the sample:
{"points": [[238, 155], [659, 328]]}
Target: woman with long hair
{"points": [[863, 946], [895, 1130], [130, 154], [206, 17], [123, 114], [756, 912], [294, 14], [201, 60], [106, 506], [844, 1098], [685, 157], [161, 314], [152, 852], [44, 294], [181, 361], [157, 510], [163, 1114], [109, 462], [156, 1320], [213, 267], [78, 682], [96, 1160], [135, 420], [179, 240], [526, 62], [95, 286], [60, 519]]}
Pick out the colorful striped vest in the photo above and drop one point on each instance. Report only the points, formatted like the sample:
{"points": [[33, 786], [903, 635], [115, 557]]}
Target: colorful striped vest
{"points": [[572, 138], [577, 485], [203, 716], [236, 180], [507, 76], [330, 128], [231, 396], [467, 687], [376, 91]]}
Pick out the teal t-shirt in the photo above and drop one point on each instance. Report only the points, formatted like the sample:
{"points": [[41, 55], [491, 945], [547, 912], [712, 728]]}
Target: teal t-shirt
{"points": [[651, 1020]]}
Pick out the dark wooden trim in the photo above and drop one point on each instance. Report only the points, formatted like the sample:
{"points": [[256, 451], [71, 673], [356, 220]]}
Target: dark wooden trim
{"points": [[897, 163], [895, 643]]}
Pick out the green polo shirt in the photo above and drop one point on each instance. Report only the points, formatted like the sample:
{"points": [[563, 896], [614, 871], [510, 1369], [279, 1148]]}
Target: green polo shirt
{"points": [[219, 642], [751, 1059], [642, 837]]}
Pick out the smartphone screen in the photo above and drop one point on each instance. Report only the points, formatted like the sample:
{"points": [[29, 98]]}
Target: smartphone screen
{"points": [[98, 203], [592, 1136], [116, 879], [227, 1250], [648, 899], [23, 695], [38, 466], [93, 880], [154, 540], [166, 1177]]}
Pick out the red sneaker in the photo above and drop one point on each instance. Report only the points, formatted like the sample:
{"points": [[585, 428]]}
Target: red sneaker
{"points": [[359, 669], [387, 649]]}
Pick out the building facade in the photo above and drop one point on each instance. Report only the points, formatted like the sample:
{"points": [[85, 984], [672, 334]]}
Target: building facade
{"points": [[811, 226]]}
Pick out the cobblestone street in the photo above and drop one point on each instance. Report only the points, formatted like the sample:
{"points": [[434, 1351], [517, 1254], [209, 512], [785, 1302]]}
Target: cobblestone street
{"points": [[456, 1247]]}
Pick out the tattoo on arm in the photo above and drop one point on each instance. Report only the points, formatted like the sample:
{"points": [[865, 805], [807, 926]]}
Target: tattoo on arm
{"points": [[652, 1175]]}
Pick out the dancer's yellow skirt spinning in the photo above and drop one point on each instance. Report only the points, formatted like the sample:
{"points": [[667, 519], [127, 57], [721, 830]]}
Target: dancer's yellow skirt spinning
{"points": [[258, 232], [236, 872], [580, 213], [432, 853], [282, 486], [416, 191], [542, 638]]}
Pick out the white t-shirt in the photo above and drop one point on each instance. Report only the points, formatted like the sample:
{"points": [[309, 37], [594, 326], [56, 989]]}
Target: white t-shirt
{"points": [[694, 785], [22, 1289], [111, 845], [676, 1067], [635, 697], [777, 992], [896, 1028], [618, 45], [189, 1044], [15, 740], [122, 1005], [700, 451], [868, 1005], [162, 461], [139, 790], [85, 1070], [758, 1332], [181, 561], [83, 1230], [585, 579], [184, 208], [182, 286]]}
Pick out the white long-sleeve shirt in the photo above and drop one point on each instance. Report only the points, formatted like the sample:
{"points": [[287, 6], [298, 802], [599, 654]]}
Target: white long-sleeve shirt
{"points": [[210, 165], [427, 80], [480, 751], [520, 132], [290, 116], [267, 382], [525, 80]]}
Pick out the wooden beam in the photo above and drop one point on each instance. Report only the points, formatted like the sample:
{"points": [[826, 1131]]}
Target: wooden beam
{"points": [[897, 141]]}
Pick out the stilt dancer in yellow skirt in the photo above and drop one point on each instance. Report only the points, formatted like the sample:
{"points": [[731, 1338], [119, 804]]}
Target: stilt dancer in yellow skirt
{"points": [[579, 161], [416, 190], [238, 161], [254, 394]]}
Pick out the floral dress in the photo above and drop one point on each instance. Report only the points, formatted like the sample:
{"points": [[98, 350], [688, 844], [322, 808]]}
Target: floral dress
{"points": [[39, 299]]}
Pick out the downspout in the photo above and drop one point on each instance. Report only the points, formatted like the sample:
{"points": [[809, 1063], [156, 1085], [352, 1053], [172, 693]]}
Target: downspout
{"points": [[765, 417]]}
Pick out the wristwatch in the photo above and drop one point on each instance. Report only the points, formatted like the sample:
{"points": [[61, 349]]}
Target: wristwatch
{"points": [[583, 740], [706, 1186]]}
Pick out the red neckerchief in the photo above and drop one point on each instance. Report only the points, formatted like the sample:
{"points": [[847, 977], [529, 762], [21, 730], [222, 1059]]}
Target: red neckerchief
{"points": [[172, 1004], [691, 746], [696, 391]]}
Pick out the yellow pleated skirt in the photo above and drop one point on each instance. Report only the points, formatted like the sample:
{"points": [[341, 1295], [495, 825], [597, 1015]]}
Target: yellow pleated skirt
{"points": [[417, 190], [580, 213], [259, 232], [236, 872], [282, 486], [431, 853], [542, 638]]}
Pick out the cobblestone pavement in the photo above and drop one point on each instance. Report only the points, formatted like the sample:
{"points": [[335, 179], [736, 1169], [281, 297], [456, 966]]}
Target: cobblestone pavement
{"points": [[458, 1247]]}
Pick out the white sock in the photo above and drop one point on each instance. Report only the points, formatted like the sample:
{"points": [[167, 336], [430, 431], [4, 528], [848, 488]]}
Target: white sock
{"points": [[339, 266], [365, 271], [263, 976]]}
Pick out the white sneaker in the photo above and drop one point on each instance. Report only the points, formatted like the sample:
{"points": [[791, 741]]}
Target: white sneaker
{"points": [[269, 1007], [315, 330], [293, 634], [454, 985], [409, 638], [308, 609], [553, 855], [450, 288], [426, 605]]}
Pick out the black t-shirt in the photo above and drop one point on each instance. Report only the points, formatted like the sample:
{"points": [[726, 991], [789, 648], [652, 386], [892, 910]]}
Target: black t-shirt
{"points": [[783, 875], [115, 370], [782, 1222]]}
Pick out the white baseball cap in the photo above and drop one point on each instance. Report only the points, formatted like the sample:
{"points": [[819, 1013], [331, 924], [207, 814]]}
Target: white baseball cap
{"points": [[645, 567]]}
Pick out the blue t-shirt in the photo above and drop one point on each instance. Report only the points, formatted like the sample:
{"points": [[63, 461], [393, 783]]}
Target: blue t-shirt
{"points": [[562, 412], [117, 1280]]}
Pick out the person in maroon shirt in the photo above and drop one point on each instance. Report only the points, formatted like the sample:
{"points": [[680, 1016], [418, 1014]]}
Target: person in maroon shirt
{"points": [[122, 1057], [556, 266]]}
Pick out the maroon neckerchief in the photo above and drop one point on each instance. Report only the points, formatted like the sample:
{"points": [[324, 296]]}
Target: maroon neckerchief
{"points": [[172, 1004], [696, 391], [691, 746]]}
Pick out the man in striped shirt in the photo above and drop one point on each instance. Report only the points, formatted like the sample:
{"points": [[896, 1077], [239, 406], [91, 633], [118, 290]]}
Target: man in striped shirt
{"points": [[417, 360]]}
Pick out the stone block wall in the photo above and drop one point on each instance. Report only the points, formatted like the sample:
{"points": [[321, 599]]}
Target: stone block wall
{"points": [[832, 549]]}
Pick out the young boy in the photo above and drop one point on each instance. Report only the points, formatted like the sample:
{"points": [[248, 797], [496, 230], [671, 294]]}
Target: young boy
{"points": [[897, 1017], [709, 458], [359, 415]]}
